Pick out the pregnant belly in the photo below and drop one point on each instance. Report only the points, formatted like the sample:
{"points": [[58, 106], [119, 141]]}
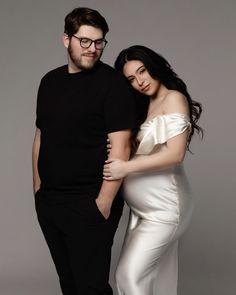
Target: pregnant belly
{"points": [[156, 195]]}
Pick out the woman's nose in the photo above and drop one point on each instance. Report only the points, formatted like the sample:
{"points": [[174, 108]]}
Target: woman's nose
{"points": [[140, 81]]}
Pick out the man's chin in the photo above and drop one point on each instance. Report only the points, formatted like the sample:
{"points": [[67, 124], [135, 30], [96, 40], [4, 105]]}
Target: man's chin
{"points": [[88, 66]]}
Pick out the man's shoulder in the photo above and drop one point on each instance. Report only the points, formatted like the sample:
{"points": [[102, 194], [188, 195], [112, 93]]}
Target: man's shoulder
{"points": [[56, 73], [111, 74]]}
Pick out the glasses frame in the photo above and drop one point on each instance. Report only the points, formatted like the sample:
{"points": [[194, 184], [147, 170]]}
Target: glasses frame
{"points": [[91, 42]]}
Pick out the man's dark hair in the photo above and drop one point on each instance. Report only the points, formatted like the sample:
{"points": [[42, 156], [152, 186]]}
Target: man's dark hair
{"points": [[84, 16]]}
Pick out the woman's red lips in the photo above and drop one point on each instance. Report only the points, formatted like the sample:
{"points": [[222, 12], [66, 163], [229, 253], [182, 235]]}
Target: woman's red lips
{"points": [[145, 88]]}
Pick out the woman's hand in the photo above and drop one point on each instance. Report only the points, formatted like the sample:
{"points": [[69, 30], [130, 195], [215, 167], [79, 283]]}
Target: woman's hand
{"points": [[108, 146], [114, 169]]}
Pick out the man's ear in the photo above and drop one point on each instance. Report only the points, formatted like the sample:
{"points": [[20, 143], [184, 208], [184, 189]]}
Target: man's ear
{"points": [[66, 40]]}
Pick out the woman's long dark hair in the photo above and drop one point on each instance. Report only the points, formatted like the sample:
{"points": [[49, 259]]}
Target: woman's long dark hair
{"points": [[160, 69]]}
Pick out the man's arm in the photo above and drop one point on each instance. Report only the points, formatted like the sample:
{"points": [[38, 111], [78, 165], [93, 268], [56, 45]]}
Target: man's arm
{"points": [[35, 155], [120, 142]]}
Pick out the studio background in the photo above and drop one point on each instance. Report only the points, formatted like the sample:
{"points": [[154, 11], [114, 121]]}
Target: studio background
{"points": [[198, 39]]}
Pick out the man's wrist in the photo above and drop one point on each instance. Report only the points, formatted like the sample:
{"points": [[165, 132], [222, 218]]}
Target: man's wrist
{"points": [[36, 188], [102, 199]]}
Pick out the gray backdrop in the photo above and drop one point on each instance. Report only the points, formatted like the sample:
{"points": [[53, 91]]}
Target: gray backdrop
{"points": [[198, 38]]}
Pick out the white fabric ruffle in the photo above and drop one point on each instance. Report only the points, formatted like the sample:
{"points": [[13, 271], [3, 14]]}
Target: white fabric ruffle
{"points": [[160, 129]]}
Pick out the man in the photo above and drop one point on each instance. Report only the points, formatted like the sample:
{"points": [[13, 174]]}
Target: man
{"points": [[79, 105]]}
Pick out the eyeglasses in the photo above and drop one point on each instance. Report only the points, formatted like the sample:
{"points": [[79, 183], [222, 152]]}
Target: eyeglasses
{"points": [[86, 42]]}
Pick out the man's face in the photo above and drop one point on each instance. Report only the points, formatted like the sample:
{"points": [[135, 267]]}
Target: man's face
{"points": [[83, 58]]}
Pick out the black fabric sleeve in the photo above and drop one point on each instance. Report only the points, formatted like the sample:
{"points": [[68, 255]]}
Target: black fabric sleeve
{"points": [[119, 108], [39, 99]]}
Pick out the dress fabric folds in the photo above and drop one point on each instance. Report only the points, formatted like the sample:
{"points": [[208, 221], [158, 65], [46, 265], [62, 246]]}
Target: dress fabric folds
{"points": [[160, 209]]}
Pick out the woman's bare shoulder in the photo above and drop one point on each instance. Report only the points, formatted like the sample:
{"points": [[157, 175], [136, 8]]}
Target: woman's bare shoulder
{"points": [[175, 102]]}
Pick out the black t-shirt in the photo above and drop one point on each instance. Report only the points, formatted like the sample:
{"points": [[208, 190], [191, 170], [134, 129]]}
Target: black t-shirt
{"points": [[75, 112]]}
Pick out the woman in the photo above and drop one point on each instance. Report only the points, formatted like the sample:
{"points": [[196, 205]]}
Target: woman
{"points": [[156, 189]]}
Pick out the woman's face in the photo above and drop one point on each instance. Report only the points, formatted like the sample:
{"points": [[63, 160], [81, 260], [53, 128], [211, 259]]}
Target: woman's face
{"points": [[140, 78]]}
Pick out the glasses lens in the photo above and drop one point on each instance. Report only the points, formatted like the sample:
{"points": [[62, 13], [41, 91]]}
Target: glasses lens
{"points": [[100, 44], [85, 43]]}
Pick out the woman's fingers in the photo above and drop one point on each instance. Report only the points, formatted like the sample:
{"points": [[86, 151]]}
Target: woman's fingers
{"points": [[108, 178], [106, 167], [106, 173], [106, 170], [108, 148], [108, 161]]}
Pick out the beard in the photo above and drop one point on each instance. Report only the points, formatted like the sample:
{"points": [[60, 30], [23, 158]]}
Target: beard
{"points": [[80, 62]]}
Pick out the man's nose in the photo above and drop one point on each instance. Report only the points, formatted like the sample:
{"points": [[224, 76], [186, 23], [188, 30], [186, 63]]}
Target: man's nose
{"points": [[92, 47]]}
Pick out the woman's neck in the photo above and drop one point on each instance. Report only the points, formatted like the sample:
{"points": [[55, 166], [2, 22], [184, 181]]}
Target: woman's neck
{"points": [[162, 91]]}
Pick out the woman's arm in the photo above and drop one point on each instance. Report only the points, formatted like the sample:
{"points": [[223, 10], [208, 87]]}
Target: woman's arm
{"points": [[173, 153]]}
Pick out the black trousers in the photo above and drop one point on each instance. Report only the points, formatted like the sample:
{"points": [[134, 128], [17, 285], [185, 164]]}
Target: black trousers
{"points": [[80, 240]]}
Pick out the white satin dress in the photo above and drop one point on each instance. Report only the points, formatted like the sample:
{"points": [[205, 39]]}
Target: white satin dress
{"points": [[161, 207]]}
